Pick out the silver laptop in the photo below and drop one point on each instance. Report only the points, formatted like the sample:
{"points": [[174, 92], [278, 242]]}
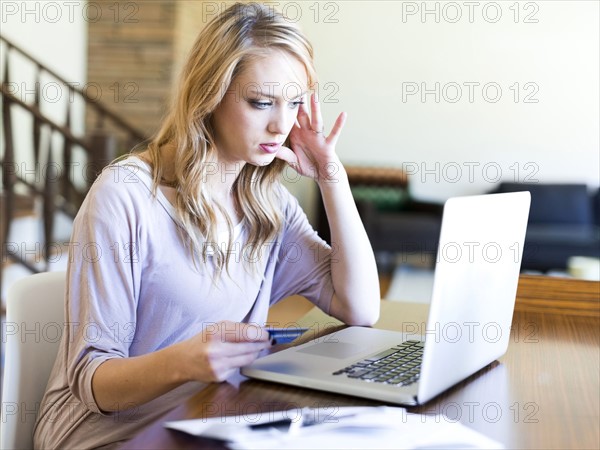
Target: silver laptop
{"points": [[474, 290]]}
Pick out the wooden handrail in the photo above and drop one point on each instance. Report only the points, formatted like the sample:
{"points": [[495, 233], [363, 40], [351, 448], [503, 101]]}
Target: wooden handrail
{"points": [[35, 111], [88, 99], [57, 193]]}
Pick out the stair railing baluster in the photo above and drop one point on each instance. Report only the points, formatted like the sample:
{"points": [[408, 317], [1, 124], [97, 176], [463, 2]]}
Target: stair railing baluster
{"points": [[8, 170], [49, 205], [61, 194], [36, 122], [67, 158]]}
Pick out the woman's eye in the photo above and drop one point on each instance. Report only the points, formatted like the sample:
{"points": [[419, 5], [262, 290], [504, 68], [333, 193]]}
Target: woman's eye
{"points": [[260, 105], [295, 104]]}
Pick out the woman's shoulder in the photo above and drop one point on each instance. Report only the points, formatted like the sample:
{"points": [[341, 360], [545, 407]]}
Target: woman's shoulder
{"points": [[127, 174], [130, 170], [126, 182]]}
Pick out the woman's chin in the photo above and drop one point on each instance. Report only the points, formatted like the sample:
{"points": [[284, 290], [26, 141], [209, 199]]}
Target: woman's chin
{"points": [[263, 160]]}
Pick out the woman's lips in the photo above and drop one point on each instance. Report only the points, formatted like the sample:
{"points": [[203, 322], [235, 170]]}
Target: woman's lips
{"points": [[271, 147]]}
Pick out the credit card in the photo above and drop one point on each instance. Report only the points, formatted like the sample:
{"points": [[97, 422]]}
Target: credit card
{"points": [[285, 335]]}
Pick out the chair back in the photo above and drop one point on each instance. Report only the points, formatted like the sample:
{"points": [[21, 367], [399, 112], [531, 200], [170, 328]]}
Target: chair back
{"points": [[34, 327]]}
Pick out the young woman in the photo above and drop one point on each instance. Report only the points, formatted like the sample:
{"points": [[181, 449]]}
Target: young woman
{"points": [[178, 251]]}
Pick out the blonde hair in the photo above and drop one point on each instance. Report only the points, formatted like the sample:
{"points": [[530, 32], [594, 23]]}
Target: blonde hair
{"points": [[221, 52]]}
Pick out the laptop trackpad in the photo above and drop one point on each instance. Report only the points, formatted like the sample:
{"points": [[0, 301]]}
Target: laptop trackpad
{"points": [[339, 350]]}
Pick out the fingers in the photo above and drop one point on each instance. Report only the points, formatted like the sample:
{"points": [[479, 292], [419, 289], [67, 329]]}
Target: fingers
{"points": [[224, 358], [303, 118], [227, 331], [288, 156], [314, 122], [337, 129], [233, 349], [226, 367], [315, 114], [222, 348]]}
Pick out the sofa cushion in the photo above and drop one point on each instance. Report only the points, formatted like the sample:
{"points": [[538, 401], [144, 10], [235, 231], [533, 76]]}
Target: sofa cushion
{"points": [[583, 235], [384, 198], [556, 203], [406, 232]]}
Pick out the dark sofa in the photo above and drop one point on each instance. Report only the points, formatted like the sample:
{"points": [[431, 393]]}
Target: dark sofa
{"points": [[395, 222], [564, 219]]}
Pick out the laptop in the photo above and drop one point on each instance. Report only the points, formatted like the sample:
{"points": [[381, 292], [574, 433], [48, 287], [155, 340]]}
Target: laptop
{"points": [[468, 327]]}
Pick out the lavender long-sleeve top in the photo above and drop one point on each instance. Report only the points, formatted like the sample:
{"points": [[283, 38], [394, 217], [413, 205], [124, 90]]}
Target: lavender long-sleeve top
{"points": [[133, 289]]}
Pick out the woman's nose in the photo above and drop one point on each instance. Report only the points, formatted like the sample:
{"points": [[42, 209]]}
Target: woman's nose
{"points": [[282, 121]]}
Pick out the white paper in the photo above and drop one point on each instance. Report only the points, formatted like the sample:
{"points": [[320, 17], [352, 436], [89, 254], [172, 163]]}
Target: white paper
{"points": [[234, 428], [342, 428]]}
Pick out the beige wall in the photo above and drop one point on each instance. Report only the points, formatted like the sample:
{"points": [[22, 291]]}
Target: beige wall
{"points": [[378, 52], [375, 58], [371, 54]]}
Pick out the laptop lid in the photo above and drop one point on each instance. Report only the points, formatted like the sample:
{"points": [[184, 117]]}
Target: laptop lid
{"points": [[475, 284]]}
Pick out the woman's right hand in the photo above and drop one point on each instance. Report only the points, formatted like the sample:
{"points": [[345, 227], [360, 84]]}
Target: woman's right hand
{"points": [[221, 349], [213, 355]]}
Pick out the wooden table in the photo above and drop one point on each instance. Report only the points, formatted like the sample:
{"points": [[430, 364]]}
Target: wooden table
{"points": [[543, 393]]}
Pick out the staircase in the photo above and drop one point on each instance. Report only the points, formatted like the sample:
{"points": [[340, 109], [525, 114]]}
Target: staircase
{"points": [[44, 184]]}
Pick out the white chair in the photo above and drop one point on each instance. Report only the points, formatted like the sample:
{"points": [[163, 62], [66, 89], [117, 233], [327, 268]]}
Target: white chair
{"points": [[33, 329]]}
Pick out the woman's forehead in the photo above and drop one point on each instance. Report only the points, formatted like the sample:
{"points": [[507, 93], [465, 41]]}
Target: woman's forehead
{"points": [[276, 74]]}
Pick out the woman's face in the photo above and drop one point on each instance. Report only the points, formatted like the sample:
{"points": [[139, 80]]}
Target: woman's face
{"points": [[259, 110]]}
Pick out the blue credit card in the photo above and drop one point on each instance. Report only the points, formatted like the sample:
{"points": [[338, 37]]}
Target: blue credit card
{"points": [[285, 335]]}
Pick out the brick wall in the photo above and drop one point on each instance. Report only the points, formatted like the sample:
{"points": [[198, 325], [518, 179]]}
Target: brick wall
{"points": [[190, 18], [130, 59], [136, 51]]}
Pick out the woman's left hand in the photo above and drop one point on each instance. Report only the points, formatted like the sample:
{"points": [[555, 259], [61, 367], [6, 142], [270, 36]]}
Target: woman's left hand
{"points": [[312, 153]]}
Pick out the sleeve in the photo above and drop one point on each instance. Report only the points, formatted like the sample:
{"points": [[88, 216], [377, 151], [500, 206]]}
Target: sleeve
{"points": [[103, 280], [303, 260]]}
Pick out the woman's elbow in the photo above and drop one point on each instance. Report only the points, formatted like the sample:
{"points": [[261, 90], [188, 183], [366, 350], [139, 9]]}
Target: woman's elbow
{"points": [[365, 316], [365, 320]]}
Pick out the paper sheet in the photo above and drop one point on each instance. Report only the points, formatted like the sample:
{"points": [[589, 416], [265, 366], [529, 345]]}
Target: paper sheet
{"points": [[349, 428]]}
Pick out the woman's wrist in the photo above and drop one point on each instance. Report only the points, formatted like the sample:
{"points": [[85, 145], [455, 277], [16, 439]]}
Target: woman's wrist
{"points": [[180, 360], [331, 173]]}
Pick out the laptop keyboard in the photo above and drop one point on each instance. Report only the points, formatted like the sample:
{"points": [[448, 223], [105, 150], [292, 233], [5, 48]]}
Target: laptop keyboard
{"points": [[398, 366]]}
